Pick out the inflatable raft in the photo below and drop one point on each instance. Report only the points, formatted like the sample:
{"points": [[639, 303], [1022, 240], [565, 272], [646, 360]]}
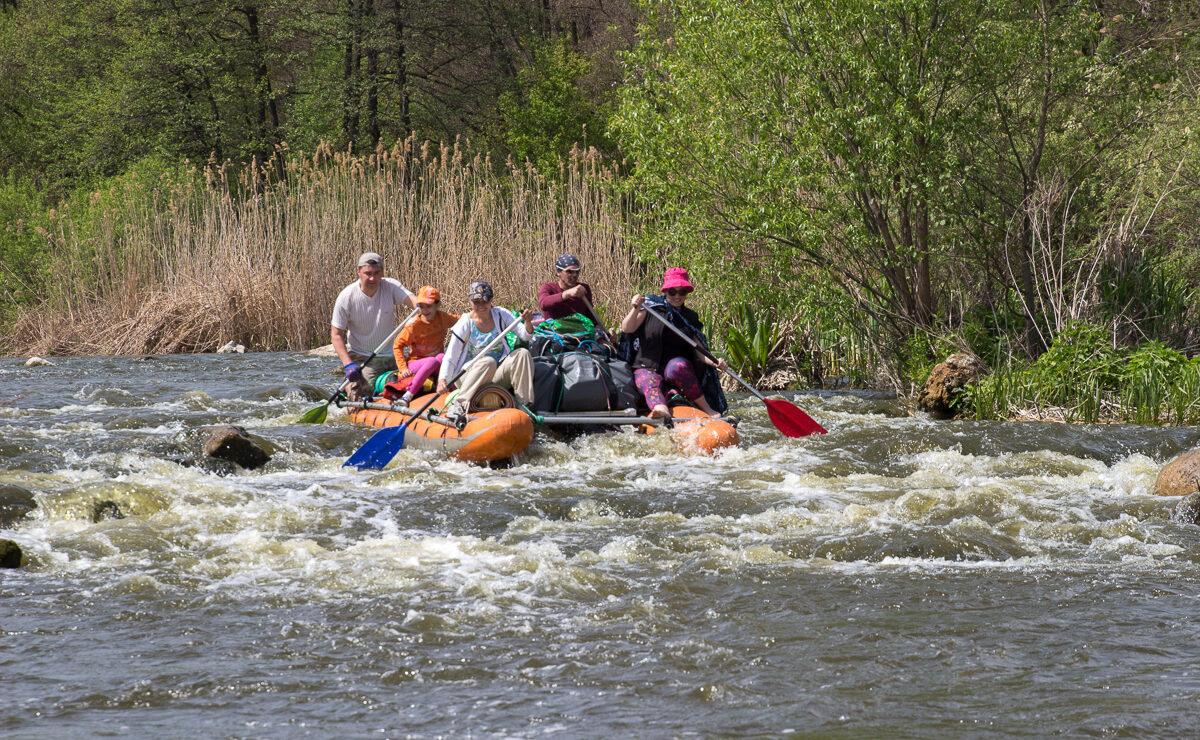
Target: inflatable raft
{"points": [[488, 436], [496, 431]]}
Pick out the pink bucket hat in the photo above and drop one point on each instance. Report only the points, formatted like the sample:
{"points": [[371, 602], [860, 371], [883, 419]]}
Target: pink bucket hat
{"points": [[677, 277]]}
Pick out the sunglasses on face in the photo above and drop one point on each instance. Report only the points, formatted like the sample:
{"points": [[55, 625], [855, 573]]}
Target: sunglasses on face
{"points": [[479, 301], [676, 291], [572, 271]]}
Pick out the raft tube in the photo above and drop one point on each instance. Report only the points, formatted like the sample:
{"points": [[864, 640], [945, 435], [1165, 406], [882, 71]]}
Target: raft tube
{"points": [[488, 436], [696, 431]]}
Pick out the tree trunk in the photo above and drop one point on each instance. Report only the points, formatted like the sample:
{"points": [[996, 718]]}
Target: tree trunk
{"points": [[372, 77], [350, 72], [401, 51], [267, 111]]}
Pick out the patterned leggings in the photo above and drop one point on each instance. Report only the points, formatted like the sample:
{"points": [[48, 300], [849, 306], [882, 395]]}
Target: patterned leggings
{"points": [[678, 373]]}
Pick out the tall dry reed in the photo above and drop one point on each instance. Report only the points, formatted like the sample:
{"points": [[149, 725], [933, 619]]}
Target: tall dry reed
{"points": [[249, 255]]}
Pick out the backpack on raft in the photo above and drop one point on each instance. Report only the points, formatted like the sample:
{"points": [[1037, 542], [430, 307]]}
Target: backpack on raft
{"points": [[554, 336], [584, 379]]}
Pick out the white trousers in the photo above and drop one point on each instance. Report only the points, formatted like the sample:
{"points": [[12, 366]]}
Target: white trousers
{"points": [[515, 373]]}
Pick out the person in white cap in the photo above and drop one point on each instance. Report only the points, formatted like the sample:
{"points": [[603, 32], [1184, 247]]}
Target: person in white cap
{"points": [[364, 314]]}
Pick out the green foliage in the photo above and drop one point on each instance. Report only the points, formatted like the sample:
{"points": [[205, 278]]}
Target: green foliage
{"points": [[754, 339], [548, 112], [1089, 380], [1150, 374], [23, 244]]}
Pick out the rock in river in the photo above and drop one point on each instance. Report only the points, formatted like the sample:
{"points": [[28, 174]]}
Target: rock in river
{"points": [[1180, 476], [940, 395], [10, 554], [102, 510], [1187, 511], [233, 443], [15, 503]]}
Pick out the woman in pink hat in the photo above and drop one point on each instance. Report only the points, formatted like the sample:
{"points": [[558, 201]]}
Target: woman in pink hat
{"points": [[660, 355]]}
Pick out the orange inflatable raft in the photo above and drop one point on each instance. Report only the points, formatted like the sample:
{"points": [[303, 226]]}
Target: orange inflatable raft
{"points": [[691, 429], [696, 431], [498, 432], [488, 436]]}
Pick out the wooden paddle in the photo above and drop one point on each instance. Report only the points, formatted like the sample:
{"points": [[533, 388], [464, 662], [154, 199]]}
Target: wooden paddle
{"points": [[383, 445], [788, 418], [318, 414]]}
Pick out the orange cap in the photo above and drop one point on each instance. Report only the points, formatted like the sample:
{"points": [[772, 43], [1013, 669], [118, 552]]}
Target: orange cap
{"points": [[428, 294]]}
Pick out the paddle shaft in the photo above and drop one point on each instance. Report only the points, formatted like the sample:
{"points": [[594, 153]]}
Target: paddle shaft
{"points": [[702, 350], [596, 317], [482, 353]]}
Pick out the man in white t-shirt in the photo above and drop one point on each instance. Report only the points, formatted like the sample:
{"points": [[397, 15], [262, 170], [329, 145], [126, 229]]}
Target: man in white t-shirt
{"points": [[364, 314]]}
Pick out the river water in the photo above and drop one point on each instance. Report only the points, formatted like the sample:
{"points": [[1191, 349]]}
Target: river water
{"points": [[898, 576]]}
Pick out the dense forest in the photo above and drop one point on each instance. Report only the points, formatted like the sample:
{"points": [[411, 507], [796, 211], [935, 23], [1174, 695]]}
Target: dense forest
{"points": [[859, 187]]}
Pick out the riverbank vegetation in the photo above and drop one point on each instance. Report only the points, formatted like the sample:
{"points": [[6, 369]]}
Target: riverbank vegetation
{"points": [[858, 187], [182, 261]]}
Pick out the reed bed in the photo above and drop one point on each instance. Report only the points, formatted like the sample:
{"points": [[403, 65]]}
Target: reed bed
{"points": [[186, 263]]}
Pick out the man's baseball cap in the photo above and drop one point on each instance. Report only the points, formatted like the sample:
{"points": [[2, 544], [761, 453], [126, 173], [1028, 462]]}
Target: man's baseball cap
{"points": [[370, 258], [566, 262]]}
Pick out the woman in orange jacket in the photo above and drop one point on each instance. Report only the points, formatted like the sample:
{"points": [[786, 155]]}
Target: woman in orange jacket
{"points": [[423, 339]]}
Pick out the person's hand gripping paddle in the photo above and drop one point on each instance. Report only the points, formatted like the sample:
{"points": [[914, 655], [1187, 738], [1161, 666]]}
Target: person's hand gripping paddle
{"points": [[318, 414]]}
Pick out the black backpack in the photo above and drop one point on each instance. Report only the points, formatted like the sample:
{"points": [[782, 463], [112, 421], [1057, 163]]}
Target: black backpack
{"points": [[585, 379]]}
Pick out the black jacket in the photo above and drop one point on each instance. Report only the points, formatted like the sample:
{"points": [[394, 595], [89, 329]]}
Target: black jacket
{"points": [[653, 345]]}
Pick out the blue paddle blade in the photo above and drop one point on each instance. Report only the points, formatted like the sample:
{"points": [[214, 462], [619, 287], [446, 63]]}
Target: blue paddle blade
{"points": [[379, 450]]}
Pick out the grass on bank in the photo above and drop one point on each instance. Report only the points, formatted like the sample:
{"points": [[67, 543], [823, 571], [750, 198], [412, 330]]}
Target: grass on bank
{"points": [[186, 260], [1083, 378]]}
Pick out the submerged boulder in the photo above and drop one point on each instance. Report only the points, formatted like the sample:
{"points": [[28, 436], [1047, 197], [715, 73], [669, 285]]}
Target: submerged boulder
{"points": [[106, 510], [1180, 476], [10, 554], [15, 503], [38, 362], [326, 351], [235, 444], [1187, 511], [940, 395]]}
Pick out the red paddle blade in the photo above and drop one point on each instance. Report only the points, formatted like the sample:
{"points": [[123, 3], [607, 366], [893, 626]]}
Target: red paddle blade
{"points": [[790, 419]]}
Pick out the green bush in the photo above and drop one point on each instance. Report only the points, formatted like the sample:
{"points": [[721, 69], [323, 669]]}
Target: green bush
{"points": [[1149, 375], [1077, 371], [23, 244], [754, 339], [548, 112]]}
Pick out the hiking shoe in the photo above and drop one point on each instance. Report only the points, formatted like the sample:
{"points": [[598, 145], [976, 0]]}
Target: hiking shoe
{"points": [[406, 398]]}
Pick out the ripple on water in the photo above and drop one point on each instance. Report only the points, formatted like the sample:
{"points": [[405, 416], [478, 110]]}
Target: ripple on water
{"points": [[782, 574]]}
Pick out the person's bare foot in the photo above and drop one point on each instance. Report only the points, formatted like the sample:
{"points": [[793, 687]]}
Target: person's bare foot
{"points": [[660, 412]]}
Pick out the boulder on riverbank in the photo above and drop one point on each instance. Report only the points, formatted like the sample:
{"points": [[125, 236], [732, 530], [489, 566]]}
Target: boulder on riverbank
{"points": [[38, 362], [15, 503], [1180, 476], [939, 397], [10, 554], [235, 444], [326, 351], [231, 347]]}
